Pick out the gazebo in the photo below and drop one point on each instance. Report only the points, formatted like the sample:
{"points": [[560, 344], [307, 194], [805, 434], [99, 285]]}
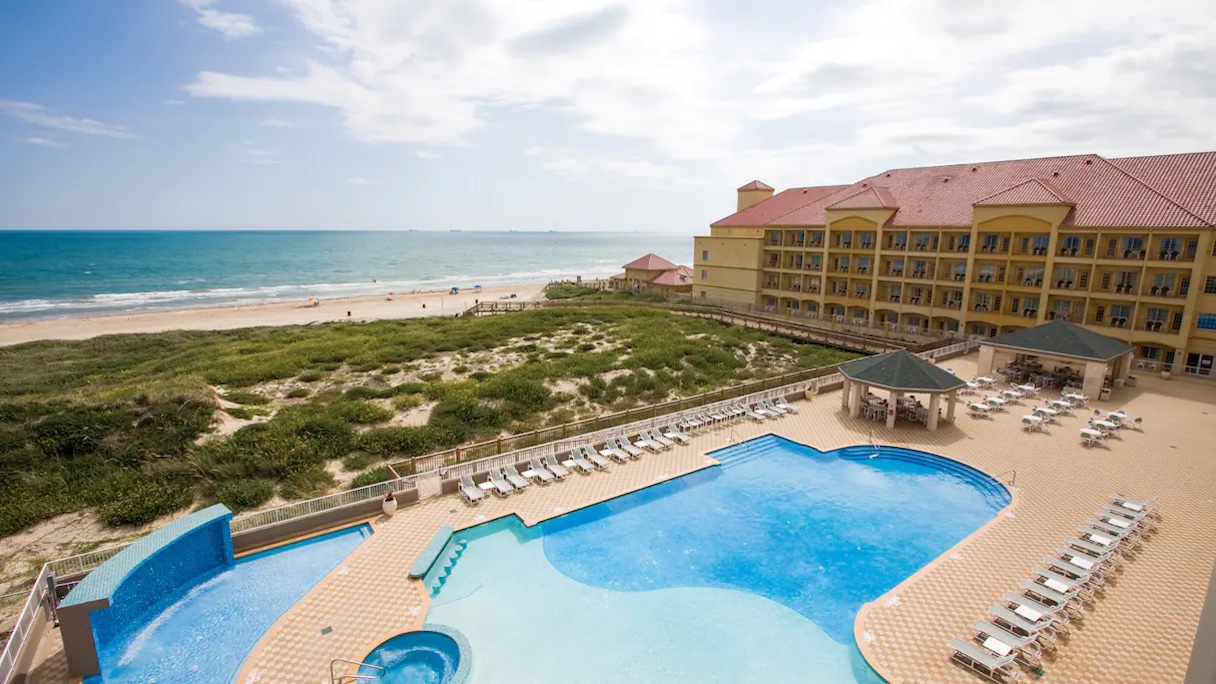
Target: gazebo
{"points": [[1093, 355], [900, 373]]}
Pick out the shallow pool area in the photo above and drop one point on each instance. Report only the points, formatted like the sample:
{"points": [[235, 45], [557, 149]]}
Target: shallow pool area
{"points": [[750, 571], [201, 633]]}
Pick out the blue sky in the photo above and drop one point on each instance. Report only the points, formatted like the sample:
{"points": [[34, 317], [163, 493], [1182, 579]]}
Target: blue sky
{"points": [[531, 114]]}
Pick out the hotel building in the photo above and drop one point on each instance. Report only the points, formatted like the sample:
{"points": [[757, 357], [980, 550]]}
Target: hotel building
{"points": [[1123, 246]]}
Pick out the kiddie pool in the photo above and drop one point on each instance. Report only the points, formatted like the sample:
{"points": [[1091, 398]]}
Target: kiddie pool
{"points": [[436, 655]]}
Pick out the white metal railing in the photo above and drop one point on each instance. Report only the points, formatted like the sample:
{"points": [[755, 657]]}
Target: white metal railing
{"points": [[300, 509], [83, 562], [33, 610]]}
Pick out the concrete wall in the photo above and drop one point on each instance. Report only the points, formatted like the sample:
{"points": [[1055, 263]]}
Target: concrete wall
{"points": [[299, 527]]}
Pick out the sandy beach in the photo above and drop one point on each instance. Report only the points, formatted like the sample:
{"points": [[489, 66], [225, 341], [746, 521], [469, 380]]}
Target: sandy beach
{"points": [[367, 308]]}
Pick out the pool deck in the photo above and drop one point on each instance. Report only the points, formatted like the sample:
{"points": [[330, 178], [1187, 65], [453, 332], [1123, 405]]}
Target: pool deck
{"points": [[1141, 629]]}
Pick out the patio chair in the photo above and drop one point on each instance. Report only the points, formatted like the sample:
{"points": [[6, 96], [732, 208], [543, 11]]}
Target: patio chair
{"points": [[757, 408], [1102, 538], [1043, 627], [1062, 584], [624, 445], [1147, 505], [1142, 519], [1050, 597], [647, 443], [1106, 555], [781, 403], [983, 661], [593, 457], [1084, 561], [469, 491], [673, 433], [501, 486], [614, 453], [1116, 528], [517, 481], [1090, 576], [538, 472], [1031, 423], [554, 467], [1028, 607], [752, 415], [656, 436], [978, 410], [772, 408], [1091, 437], [575, 460], [1027, 648]]}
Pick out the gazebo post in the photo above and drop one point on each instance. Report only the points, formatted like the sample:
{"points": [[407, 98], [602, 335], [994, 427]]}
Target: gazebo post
{"points": [[952, 400], [855, 400], [844, 393], [935, 402], [892, 407]]}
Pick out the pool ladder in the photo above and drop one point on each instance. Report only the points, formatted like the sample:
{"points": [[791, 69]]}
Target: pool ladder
{"points": [[350, 678]]}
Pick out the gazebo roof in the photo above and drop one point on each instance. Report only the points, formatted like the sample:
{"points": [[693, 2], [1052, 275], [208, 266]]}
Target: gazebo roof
{"points": [[900, 370], [1062, 338]]}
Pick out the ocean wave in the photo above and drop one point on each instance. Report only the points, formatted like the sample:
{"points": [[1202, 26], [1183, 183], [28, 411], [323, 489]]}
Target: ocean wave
{"points": [[129, 302]]}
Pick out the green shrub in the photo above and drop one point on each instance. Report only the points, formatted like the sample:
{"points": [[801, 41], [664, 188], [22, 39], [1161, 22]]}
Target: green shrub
{"points": [[246, 398], [390, 370], [298, 393], [461, 369], [242, 495], [359, 412], [431, 377], [310, 376], [362, 392], [480, 375], [405, 402], [399, 441], [306, 483], [358, 460], [408, 388], [370, 477], [139, 501], [242, 413], [365, 367]]}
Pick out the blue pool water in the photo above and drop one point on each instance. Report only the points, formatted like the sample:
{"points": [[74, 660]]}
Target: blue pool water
{"points": [[752, 571], [202, 633], [424, 657]]}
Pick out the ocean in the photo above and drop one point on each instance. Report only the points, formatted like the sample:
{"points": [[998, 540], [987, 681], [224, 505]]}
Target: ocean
{"points": [[47, 274]]}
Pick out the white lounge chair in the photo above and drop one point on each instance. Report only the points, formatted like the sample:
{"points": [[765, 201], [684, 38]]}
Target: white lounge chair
{"points": [[752, 415], [645, 442], [501, 486], [625, 446], [554, 467], [978, 410], [672, 432], [767, 413], [1027, 647], [1067, 586], [1090, 576], [612, 452], [1042, 628], [1138, 505], [984, 662], [655, 435], [517, 481], [1103, 554], [576, 460], [771, 408], [594, 458], [781, 403], [1029, 607], [1048, 596], [1082, 559], [469, 490], [538, 472], [1100, 538]]}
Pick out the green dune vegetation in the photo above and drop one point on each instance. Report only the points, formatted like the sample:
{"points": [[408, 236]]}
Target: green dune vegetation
{"points": [[135, 427]]}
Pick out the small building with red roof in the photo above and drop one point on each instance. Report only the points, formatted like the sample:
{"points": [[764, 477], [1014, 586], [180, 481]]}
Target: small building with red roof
{"points": [[654, 275]]}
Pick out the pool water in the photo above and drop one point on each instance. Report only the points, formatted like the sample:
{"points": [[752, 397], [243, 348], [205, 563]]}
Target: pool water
{"points": [[202, 633], [423, 657], [751, 571]]}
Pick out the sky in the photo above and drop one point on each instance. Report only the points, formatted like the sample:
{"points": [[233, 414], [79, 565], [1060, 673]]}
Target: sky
{"points": [[539, 115]]}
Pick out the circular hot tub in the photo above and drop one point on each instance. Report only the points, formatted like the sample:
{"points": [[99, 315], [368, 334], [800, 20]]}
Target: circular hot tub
{"points": [[436, 655]]}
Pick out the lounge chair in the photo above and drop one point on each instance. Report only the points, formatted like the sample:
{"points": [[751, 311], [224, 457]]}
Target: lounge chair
{"points": [[594, 458], [771, 408], [1082, 559], [757, 408], [1042, 628], [1115, 529], [752, 415], [1128, 514], [614, 453], [1050, 597], [538, 472], [718, 414], [655, 435], [501, 486], [1091, 576], [1102, 538], [645, 442], [1028, 648], [781, 403], [469, 491], [1114, 521], [554, 467], [1062, 584], [690, 423], [625, 446], [1030, 607], [672, 432], [984, 662], [517, 481], [1104, 554], [1138, 505], [576, 460]]}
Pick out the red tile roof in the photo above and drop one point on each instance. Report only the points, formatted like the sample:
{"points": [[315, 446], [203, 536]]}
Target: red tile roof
{"points": [[755, 185], [650, 262], [675, 276], [870, 198], [1164, 191], [1188, 179], [1033, 191], [619, 276], [775, 207]]}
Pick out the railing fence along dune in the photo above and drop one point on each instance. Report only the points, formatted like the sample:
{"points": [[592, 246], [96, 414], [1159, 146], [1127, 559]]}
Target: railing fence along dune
{"points": [[436, 464]]}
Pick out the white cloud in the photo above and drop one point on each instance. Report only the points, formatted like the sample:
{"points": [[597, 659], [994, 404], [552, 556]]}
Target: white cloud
{"points": [[257, 155], [428, 154], [45, 142], [277, 123], [358, 180], [704, 89], [39, 116], [173, 103], [231, 24]]}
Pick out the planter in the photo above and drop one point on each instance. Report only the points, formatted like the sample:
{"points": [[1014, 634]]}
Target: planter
{"points": [[389, 506]]}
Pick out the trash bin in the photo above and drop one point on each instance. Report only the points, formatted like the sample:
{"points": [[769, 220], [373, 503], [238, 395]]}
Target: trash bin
{"points": [[1131, 381], [1104, 395]]}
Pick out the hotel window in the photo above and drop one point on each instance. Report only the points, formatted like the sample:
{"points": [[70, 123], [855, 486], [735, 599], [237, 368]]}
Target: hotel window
{"points": [[705, 255], [1177, 324], [704, 274], [1150, 353], [1206, 321], [982, 302], [1209, 285], [1162, 284], [1120, 311], [1061, 309], [1099, 314], [1192, 246], [990, 242], [1157, 315], [1030, 306], [1072, 243], [1065, 278], [1105, 282]]}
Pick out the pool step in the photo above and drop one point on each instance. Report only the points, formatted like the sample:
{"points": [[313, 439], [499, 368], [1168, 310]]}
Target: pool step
{"points": [[745, 454], [993, 490], [439, 574]]}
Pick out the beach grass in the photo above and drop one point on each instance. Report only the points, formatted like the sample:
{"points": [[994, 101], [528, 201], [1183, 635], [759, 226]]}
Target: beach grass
{"points": [[126, 425]]}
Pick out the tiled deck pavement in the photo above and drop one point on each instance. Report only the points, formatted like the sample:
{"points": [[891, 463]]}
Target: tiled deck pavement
{"points": [[1140, 631]]}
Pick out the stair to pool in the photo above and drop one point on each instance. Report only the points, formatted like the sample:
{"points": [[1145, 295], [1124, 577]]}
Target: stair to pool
{"points": [[746, 452], [442, 569]]}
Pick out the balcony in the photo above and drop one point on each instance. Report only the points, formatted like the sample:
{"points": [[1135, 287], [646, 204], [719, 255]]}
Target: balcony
{"points": [[1069, 251], [1030, 312], [1161, 291], [925, 275], [1064, 285], [992, 249], [956, 305], [842, 269], [896, 272], [816, 244], [988, 278], [861, 295], [813, 266], [964, 248]]}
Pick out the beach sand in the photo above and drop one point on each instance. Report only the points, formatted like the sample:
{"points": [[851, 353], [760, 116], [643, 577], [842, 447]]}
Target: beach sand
{"points": [[367, 308]]}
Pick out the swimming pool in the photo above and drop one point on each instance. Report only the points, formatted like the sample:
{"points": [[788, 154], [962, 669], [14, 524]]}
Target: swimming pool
{"points": [[751, 571], [202, 633]]}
